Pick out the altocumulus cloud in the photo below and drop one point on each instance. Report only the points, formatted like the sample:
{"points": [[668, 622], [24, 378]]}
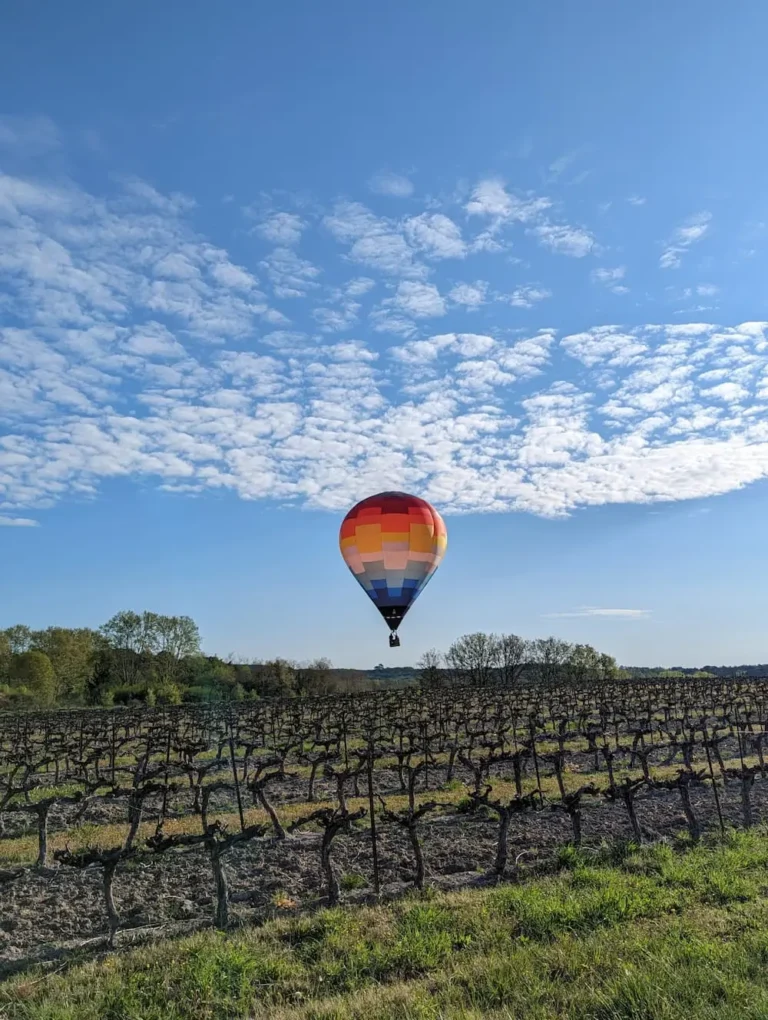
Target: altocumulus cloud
{"points": [[133, 347], [617, 614]]}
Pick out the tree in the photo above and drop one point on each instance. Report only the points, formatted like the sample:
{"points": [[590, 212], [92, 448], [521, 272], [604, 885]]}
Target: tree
{"points": [[71, 652], [550, 655], [609, 669], [167, 693], [124, 632], [135, 637], [430, 669], [474, 658], [174, 638], [105, 671], [5, 656], [218, 678], [513, 654], [34, 671], [19, 637], [313, 679], [583, 663], [276, 678]]}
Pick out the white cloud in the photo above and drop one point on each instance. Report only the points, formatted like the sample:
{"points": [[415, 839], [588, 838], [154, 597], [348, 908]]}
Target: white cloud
{"points": [[421, 300], [70, 260], [134, 348], [291, 276], [374, 241], [611, 278], [384, 320], [396, 185], [479, 361], [729, 392], [491, 198], [606, 344], [527, 297], [605, 275], [560, 165], [359, 286], [691, 231], [282, 228], [18, 522], [344, 310], [172, 204], [471, 295], [707, 290], [528, 357], [423, 351], [436, 235], [621, 614], [637, 200], [564, 239], [336, 320], [488, 241], [482, 375], [470, 345], [153, 340]]}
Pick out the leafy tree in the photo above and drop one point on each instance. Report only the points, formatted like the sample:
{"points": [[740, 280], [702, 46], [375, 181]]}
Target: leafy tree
{"points": [[19, 637], [71, 652], [168, 639], [168, 693], [219, 679], [5, 656], [124, 633], [608, 668], [583, 662], [244, 676], [313, 678], [34, 671], [174, 638], [276, 678]]}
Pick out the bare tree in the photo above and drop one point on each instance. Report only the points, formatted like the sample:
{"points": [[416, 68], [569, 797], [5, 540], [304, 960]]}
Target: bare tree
{"points": [[549, 656], [513, 654], [430, 667], [474, 658]]}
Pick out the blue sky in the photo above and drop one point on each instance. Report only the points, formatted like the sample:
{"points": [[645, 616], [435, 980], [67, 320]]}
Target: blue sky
{"points": [[259, 261]]}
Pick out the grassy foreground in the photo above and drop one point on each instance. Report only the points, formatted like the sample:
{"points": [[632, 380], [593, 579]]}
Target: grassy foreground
{"points": [[648, 934]]}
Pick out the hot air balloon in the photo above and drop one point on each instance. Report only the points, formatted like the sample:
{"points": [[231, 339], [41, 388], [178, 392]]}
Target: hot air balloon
{"points": [[393, 543]]}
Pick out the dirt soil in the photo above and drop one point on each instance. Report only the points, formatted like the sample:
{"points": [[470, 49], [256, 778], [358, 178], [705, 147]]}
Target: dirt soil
{"points": [[46, 914]]}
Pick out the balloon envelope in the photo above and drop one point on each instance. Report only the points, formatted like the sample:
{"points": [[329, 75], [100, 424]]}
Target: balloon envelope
{"points": [[393, 543]]}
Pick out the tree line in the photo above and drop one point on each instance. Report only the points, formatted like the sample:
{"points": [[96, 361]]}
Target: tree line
{"points": [[481, 659], [142, 658], [148, 658]]}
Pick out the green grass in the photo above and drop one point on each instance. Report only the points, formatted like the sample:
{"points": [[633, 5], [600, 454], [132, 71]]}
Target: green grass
{"points": [[656, 933]]}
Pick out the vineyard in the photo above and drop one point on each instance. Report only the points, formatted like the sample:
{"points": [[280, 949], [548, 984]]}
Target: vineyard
{"points": [[122, 825]]}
